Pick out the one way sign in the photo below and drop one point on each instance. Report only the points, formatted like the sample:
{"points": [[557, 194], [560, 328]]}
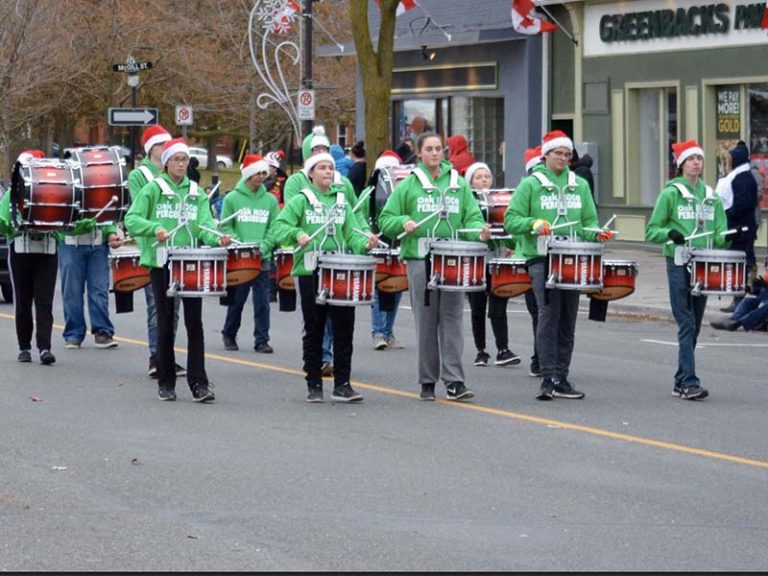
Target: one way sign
{"points": [[132, 116]]}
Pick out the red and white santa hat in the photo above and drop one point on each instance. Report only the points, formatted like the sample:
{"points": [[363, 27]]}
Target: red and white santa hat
{"points": [[555, 139], [315, 159], [682, 150], [532, 157], [273, 159], [253, 164], [174, 146], [474, 168], [27, 155], [387, 159], [155, 135]]}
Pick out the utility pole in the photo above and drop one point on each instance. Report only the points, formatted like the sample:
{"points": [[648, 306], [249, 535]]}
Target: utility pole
{"points": [[133, 82], [306, 81]]}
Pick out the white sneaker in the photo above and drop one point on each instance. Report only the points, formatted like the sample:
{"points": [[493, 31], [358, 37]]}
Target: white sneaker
{"points": [[379, 342], [394, 343]]}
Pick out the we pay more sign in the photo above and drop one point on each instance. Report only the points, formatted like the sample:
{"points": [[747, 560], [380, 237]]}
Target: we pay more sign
{"points": [[306, 105]]}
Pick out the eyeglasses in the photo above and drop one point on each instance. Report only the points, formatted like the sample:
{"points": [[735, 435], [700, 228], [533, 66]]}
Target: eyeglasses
{"points": [[179, 159], [561, 154]]}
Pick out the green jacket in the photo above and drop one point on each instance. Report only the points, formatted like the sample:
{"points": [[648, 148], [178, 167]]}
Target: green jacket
{"points": [[533, 201], [677, 211], [410, 201], [259, 211], [152, 210], [298, 181], [136, 181], [300, 217]]}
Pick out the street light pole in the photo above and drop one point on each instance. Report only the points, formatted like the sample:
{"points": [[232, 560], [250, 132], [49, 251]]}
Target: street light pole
{"points": [[306, 81], [133, 82]]}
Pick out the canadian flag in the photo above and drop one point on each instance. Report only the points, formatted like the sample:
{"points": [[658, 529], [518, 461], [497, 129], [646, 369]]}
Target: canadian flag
{"points": [[403, 6], [524, 21]]}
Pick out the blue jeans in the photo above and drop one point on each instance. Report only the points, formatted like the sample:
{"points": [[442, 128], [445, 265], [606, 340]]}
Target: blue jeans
{"points": [[84, 267], [260, 289], [328, 341], [151, 321], [688, 312], [382, 323], [752, 312]]}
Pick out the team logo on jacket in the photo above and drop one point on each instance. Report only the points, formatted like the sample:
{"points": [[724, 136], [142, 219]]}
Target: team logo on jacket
{"points": [[313, 217], [253, 215], [550, 201], [688, 211], [429, 204], [168, 210]]}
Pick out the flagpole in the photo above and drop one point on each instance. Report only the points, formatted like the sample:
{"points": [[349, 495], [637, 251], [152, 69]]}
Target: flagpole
{"points": [[557, 23], [418, 5]]}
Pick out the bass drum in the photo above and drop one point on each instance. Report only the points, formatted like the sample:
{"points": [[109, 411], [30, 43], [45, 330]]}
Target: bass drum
{"points": [[386, 181]]}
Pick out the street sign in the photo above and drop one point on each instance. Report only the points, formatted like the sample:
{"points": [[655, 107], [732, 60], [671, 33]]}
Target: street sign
{"points": [[184, 116], [132, 116], [131, 66], [306, 109]]}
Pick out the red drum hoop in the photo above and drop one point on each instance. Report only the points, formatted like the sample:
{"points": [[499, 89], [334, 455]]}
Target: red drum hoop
{"points": [[103, 176], [284, 264]]}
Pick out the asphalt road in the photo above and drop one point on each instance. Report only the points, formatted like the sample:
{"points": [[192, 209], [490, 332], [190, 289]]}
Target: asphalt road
{"points": [[99, 475]]}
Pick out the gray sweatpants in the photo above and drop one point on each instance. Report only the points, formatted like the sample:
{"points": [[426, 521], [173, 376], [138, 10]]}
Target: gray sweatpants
{"points": [[439, 328]]}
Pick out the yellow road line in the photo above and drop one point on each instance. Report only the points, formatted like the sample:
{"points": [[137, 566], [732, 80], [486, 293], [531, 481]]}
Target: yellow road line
{"points": [[484, 410]]}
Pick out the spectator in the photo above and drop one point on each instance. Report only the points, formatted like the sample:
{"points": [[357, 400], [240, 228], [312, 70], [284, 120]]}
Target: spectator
{"points": [[582, 166], [192, 170], [405, 151], [343, 164], [357, 173], [459, 154], [752, 312]]}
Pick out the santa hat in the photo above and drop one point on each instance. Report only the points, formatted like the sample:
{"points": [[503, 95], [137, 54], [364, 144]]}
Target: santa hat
{"points": [[27, 155], [253, 164], [387, 159], [683, 150], [172, 147], [555, 139], [314, 160], [474, 168], [155, 135], [532, 157], [315, 138], [273, 159]]}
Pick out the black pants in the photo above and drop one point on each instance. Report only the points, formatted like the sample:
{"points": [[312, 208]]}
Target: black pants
{"points": [[193, 320], [34, 281], [533, 311], [497, 312], [343, 319]]}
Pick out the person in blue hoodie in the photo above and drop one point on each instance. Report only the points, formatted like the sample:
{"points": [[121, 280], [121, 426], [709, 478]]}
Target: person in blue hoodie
{"points": [[343, 164]]}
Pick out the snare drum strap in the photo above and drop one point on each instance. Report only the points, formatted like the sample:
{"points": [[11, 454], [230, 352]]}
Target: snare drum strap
{"points": [[428, 275], [147, 173], [427, 185], [547, 183]]}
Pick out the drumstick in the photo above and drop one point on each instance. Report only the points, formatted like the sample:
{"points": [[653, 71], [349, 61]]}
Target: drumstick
{"points": [[598, 230], [420, 222], [217, 233], [107, 205], [711, 233], [363, 197], [369, 235], [228, 218], [558, 226], [213, 190]]}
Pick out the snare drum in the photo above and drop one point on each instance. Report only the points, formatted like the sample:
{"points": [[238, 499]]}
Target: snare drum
{"points": [[493, 205], [391, 270], [243, 263], [345, 279], [509, 277], [284, 265], [51, 200], [718, 272], [457, 265], [618, 279], [102, 177], [197, 272], [575, 266], [127, 274]]}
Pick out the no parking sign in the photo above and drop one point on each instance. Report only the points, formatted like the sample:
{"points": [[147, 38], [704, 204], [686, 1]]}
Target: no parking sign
{"points": [[184, 116], [306, 109]]}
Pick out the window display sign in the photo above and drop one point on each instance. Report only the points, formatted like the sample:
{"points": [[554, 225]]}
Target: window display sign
{"points": [[728, 125]]}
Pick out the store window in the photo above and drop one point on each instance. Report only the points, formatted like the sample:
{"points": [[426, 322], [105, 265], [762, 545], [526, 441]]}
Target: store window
{"points": [[758, 134]]}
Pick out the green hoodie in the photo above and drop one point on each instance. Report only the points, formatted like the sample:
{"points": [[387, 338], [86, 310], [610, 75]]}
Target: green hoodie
{"points": [[259, 210], [532, 201], [300, 217], [151, 211], [410, 201], [674, 211], [136, 181], [298, 181]]}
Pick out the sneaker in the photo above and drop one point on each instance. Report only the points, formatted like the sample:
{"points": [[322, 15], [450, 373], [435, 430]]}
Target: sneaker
{"points": [[547, 391], [694, 393], [104, 340], [345, 393], [47, 358], [379, 342], [202, 393], [315, 394], [457, 391], [677, 390], [71, 344], [152, 372], [263, 348], [725, 324], [427, 392], [482, 358], [564, 389], [326, 370], [166, 393], [394, 343], [25, 356], [507, 358], [230, 343], [180, 370], [535, 371]]}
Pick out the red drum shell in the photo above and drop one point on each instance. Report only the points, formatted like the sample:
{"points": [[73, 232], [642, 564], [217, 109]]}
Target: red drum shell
{"points": [[391, 272], [127, 274], [458, 265], [345, 279], [51, 199], [243, 263], [284, 264], [718, 272], [509, 277], [618, 280], [576, 265], [198, 272], [103, 176]]}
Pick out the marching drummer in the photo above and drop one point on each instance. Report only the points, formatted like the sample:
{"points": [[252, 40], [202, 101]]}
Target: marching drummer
{"points": [[320, 219], [686, 205], [438, 314], [247, 213], [551, 192], [173, 210]]}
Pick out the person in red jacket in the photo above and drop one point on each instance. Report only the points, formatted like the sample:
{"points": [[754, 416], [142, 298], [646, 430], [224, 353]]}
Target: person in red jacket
{"points": [[459, 154]]}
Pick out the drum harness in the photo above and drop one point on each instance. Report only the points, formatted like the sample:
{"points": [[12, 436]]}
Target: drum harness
{"points": [[165, 190], [333, 215]]}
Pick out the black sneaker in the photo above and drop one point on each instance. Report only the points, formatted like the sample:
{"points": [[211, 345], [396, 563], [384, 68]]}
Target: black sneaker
{"points": [[507, 358], [482, 358], [457, 391], [104, 340], [166, 393], [25, 356], [427, 392], [230, 343], [180, 370], [345, 393], [263, 348], [315, 394], [694, 393], [564, 389], [152, 372], [535, 371], [677, 390], [202, 393], [547, 391], [47, 358]]}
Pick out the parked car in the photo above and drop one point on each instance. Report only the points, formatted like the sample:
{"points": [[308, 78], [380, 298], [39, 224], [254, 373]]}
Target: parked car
{"points": [[5, 274], [202, 156]]}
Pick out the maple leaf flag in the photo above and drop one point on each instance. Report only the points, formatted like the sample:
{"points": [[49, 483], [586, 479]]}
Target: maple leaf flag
{"points": [[524, 20], [403, 6]]}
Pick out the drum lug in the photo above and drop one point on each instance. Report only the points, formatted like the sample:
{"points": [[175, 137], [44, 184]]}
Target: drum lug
{"points": [[432, 284], [322, 296], [551, 281], [172, 289], [696, 290]]}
